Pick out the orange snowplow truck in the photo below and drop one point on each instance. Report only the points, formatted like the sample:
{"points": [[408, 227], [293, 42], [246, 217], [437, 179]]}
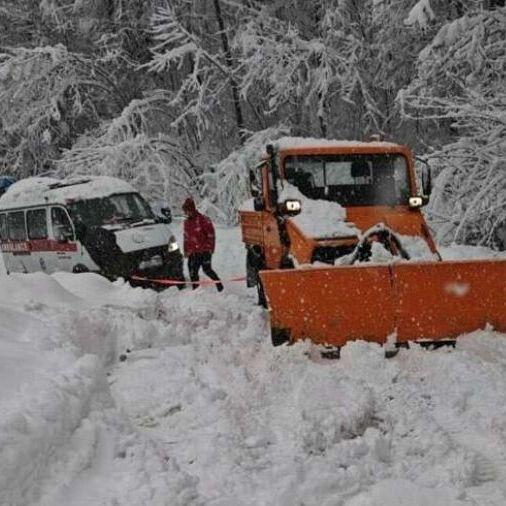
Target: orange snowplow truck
{"points": [[321, 211]]}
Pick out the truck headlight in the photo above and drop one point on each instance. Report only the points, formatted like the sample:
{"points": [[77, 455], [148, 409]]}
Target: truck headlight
{"points": [[173, 246]]}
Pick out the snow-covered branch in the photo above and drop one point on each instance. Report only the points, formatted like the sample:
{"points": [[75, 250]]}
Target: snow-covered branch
{"points": [[224, 187], [461, 81], [129, 147]]}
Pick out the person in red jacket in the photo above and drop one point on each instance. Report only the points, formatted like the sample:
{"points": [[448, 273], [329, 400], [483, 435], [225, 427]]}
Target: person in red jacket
{"points": [[199, 242]]}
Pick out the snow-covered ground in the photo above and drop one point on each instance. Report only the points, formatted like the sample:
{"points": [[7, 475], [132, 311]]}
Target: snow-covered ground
{"points": [[204, 411]]}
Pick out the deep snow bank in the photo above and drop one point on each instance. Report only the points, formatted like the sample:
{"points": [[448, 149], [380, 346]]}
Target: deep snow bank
{"points": [[57, 417], [210, 413], [37, 428], [281, 426]]}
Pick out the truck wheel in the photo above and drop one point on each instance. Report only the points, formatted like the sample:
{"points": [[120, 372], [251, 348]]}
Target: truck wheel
{"points": [[262, 300], [254, 263], [287, 263], [279, 336], [251, 272]]}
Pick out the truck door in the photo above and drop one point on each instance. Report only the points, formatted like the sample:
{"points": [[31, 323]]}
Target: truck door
{"points": [[274, 249], [64, 248], [251, 217]]}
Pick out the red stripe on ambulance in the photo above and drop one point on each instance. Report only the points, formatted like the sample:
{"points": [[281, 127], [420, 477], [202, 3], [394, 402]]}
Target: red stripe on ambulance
{"points": [[37, 246]]}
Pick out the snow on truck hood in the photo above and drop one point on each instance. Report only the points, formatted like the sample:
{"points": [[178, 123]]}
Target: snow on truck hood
{"points": [[318, 218], [322, 219]]}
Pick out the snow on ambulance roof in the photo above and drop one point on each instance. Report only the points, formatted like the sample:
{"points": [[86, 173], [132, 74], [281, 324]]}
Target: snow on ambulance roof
{"points": [[36, 191], [287, 143]]}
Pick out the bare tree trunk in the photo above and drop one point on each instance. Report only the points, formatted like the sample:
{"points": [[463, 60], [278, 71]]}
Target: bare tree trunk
{"points": [[233, 82]]}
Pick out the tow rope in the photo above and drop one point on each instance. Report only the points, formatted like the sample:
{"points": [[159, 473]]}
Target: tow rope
{"points": [[178, 282]]}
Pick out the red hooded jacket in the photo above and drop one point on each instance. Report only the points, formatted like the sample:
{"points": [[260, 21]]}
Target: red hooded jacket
{"points": [[199, 236]]}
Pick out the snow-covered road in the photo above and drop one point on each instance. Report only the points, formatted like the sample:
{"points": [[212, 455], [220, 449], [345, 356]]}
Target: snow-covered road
{"points": [[204, 411]]}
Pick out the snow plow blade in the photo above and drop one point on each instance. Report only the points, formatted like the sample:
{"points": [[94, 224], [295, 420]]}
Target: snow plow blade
{"points": [[418, 301]]}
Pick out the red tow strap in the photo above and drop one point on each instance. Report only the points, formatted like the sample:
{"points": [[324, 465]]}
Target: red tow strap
{"points": [[178, 282]]}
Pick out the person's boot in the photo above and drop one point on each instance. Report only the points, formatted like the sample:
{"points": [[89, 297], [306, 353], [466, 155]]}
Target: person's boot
{"points": [[219, 287]]}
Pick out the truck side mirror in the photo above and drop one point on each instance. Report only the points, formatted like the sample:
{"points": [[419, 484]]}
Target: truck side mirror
{"points": [[253, 184], [167, 213], [426, 181], [258, 203]]}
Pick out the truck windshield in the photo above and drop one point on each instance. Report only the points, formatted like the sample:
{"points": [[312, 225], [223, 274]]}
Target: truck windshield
{"points": [[127, 207], [351, 180]]}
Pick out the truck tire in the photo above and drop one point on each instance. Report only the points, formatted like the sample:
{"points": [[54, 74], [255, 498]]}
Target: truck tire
{"points": [[251, 272], [254, 263], [279, 336], [262, 300]]}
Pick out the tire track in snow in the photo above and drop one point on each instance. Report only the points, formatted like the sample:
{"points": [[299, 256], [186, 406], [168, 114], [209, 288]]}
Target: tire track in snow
{"points": [[489, 454], [489, 449]]}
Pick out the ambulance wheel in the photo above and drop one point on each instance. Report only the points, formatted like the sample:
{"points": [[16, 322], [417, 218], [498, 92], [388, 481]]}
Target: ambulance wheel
{"points": [[80, 268]]}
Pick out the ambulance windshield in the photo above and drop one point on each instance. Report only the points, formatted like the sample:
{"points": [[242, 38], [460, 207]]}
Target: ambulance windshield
{"points": [[123, 208]]}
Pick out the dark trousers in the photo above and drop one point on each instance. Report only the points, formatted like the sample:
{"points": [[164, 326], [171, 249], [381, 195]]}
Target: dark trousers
{"points": [[198, 260]]}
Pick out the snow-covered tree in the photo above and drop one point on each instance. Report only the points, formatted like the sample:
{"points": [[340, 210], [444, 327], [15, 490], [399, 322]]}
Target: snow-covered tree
{"points": [[45, 91], [59, 77], [131, 148], [461, 84], [200, 55], [158, 91], [337, 75], [225, 186]]}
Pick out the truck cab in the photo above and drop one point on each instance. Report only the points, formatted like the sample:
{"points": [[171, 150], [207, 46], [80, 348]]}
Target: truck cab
{"points": [[359, 184], [339, 250]]}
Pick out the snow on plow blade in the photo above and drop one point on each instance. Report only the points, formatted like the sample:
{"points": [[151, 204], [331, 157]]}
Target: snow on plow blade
{"points": [[416, 300]]}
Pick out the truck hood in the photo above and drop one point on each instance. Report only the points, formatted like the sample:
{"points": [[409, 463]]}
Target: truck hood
{"points": [[143, 237], [358, 220], [400, 219]]}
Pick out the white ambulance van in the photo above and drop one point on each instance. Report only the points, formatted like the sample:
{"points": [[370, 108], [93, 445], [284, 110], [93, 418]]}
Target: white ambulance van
{"points": [[97, 224]]}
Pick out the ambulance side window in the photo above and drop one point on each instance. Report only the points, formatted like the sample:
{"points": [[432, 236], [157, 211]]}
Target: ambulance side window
{"points": [[3, 227], [62, 228], [36, 223], [16, 226]]}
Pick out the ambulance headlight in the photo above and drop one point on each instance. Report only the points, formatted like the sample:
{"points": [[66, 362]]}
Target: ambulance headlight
{"points": [[173, 246]]}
